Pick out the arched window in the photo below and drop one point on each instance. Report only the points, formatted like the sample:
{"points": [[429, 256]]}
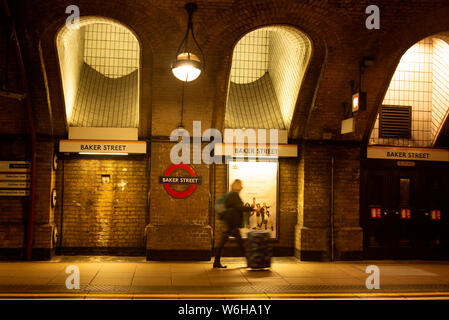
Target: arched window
{"points": [[420, 83], [99, 65], [268, 66]]}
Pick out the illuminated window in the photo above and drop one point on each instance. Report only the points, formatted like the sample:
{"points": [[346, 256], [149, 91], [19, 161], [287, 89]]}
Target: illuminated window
{"points": [[99, 65], [268, 66], [421, 81]]}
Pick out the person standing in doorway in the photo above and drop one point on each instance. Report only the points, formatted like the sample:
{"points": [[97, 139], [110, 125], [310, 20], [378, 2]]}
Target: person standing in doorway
{"points": [[233, 221], [266, 215]]}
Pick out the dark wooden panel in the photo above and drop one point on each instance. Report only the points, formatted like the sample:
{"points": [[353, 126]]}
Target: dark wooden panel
{"points": [[13, 116]]}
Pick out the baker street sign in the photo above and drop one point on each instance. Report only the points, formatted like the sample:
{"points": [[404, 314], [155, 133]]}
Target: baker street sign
{"points": [[192, 180], [180, 180], [397, 153], [103, 147]]}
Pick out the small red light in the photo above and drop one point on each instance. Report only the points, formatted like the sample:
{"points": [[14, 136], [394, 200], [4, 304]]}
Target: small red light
{"points": [[435, 215], [375, 213], [355, 102], [405, 213]]}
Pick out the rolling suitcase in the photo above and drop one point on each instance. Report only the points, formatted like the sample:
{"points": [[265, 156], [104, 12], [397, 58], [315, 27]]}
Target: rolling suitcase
{"points": [[259, 250]]}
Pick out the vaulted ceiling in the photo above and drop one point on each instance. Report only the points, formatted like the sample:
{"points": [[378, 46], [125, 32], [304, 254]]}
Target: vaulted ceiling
{"points": [[336, 30]]}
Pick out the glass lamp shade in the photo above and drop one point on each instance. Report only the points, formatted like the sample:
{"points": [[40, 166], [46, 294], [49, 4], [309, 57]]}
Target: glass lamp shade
{"points": [[186, 69]]}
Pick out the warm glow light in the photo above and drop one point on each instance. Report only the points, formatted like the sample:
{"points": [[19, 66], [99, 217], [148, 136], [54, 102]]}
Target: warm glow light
{"points": [[186, 69], [186, 73], [104, 153], [258, 188], [355, 102]]}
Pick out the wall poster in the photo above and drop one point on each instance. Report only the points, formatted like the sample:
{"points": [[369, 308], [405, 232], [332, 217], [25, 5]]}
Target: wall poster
{"points": [[260, 186]]}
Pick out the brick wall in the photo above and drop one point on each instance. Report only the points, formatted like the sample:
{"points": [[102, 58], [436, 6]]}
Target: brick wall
{"points": [[340, 40], [335, 28], [115, 215], [181, 225], [97, 215], [13, 210], [313, 232]]}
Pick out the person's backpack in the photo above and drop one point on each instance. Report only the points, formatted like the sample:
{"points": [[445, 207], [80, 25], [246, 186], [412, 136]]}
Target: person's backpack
{"points": [[220, 206]]}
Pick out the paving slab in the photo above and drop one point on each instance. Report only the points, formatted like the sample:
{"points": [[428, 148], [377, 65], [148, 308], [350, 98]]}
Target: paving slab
{"points": [[288, 278]]}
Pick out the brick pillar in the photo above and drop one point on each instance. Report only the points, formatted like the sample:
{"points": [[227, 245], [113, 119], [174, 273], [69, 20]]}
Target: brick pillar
{"points": [[313, 230], [179, 228], [44, 214], [348, 232]]}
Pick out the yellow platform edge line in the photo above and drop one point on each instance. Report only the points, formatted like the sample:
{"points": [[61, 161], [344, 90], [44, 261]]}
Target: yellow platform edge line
{"points": [[264, 295]]}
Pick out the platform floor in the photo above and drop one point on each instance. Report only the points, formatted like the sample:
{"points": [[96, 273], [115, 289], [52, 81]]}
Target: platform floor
{"points": [[134, 278]]}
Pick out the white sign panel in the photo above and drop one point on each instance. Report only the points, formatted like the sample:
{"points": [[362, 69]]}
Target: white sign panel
{"points": [[14, 192], [347, 126], [414, 154], [259, 190], [95, 133], [103, 147], [274, 135], [14, 184], [14, 176]]}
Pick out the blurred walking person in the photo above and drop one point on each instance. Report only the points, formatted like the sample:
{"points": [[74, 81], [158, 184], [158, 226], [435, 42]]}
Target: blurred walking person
{"points": [[233, 221]]}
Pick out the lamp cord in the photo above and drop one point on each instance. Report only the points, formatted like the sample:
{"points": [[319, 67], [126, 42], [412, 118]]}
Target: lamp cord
{"points": [[182, 104], [185, 40], [198, 46], [186, 37]]}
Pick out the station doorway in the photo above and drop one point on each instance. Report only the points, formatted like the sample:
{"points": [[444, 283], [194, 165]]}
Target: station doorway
{"points": [[103, 207], [404, 210]]}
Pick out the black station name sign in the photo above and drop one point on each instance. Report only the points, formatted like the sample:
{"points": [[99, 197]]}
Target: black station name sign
{"points": [[19, 165], [397, 153], [408, 155], [180, 180], [104, 147]]}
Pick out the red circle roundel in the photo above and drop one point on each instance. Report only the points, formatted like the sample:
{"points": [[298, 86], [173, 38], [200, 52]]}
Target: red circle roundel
{"points": [[180, 194]]}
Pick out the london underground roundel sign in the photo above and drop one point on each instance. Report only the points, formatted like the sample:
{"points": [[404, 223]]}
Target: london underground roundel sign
{"points": [[192, 180]]}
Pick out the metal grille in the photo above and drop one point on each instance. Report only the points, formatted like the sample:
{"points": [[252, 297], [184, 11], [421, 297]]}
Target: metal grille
{"points": [[106, 102], [110, 49], [267, 70], [250, 57], [254, 105], [420, 81], [108, 90], [100, 73], [440, 92], [395, 121]]}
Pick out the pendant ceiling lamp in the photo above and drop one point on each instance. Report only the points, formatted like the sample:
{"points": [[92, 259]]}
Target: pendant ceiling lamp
{"points": [[188, 66]]}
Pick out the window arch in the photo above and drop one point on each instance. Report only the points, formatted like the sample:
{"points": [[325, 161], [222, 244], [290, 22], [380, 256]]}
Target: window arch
{"points": [[421, 81], [99, 65], [268, 66]]}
